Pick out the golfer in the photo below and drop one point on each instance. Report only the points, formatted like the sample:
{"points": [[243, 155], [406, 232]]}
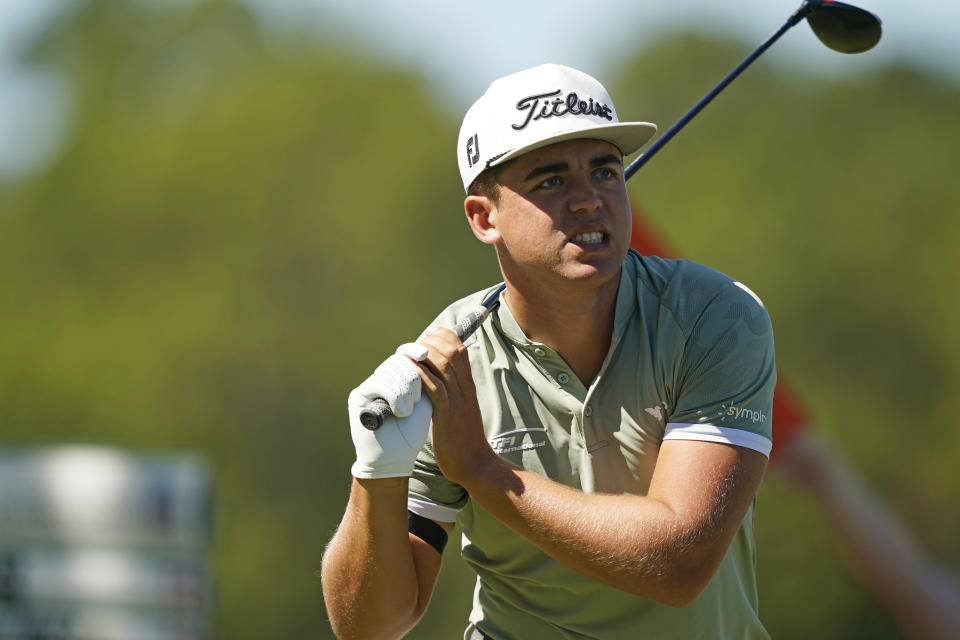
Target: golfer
{"points": [[599, 439]]}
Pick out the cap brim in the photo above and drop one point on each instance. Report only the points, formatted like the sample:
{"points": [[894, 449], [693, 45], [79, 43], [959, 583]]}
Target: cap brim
{"points": [[626, 136]]}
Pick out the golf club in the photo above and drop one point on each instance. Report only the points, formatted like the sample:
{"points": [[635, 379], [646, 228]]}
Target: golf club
{"points": [[840, 26]]}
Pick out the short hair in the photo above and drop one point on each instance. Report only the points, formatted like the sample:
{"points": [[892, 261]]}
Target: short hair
{"points": [[486, 184]]}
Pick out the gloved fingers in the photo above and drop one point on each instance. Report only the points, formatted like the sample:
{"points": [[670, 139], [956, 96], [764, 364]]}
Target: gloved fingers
{"points": [[414, 351], [414, 428], [390, 451], [396, 380]]}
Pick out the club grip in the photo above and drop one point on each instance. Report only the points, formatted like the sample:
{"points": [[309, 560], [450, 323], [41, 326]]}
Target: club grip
{"points": [[375, 413], [469, 323]]}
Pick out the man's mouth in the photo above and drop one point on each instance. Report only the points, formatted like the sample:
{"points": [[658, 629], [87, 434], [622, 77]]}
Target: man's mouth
{"points": [[592, 237]]}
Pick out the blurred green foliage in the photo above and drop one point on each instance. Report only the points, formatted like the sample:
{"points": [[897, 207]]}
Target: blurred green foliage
{"points": [[241, 224]]}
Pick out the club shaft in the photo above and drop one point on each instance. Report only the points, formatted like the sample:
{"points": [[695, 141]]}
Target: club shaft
{"points": [[667, 135]]}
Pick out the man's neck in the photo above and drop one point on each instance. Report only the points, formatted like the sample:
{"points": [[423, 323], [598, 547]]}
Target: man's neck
{"points": [[576, 322]]}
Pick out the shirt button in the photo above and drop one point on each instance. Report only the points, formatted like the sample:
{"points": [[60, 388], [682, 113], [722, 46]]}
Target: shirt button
{"points": [[588, 410], [563, 378], [540, 352]]}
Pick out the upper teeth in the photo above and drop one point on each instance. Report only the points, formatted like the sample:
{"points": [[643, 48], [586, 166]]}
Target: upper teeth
{"points": [[588, 238]]}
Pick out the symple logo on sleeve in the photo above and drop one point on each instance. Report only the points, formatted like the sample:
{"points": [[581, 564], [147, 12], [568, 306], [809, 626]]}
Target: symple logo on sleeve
{"points": [[744, 413]]}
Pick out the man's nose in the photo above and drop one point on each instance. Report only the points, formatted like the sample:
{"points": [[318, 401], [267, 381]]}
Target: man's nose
{"points": [[583, 195]]}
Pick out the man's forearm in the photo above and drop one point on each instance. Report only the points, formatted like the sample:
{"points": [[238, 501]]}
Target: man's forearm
{"points": [[369, 573], [660, 548]]}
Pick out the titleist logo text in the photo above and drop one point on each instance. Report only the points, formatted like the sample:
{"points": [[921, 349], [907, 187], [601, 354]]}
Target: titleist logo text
{"points": [[572, 104]]}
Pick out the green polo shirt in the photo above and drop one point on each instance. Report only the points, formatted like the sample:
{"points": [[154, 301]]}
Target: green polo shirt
{"points": [[691, 358]]}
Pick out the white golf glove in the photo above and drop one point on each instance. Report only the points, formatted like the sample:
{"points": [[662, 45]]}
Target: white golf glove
{"points": [[390, 451]]}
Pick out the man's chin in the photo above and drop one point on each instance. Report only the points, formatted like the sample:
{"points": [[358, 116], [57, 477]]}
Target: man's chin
{"points": [[596, 273]]}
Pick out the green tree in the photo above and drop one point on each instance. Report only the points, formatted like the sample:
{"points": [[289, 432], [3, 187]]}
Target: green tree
{"points": [[237, 231]]}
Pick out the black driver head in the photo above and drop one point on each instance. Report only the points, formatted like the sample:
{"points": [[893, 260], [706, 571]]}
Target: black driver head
{"points": [[843, 27]]}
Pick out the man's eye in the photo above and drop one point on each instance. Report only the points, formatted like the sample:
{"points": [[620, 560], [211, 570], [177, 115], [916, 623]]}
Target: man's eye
{"points": [[552, 181], [605, 173]]}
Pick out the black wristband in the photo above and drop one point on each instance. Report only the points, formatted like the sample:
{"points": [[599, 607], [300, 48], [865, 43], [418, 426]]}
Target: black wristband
{"points": [[427, 530]]}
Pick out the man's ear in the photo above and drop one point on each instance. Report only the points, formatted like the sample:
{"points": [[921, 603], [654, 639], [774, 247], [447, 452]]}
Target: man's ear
{"points": [[482, 215]]}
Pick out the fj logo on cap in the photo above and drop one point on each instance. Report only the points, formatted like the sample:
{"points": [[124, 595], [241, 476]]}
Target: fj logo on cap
{"points": [[473, 150], [572, 105]]}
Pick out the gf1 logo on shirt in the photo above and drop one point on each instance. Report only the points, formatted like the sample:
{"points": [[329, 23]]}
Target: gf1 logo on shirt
{"points": [[518, 440]]}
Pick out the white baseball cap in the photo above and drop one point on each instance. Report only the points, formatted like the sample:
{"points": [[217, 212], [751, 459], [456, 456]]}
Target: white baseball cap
{"points": [[538, 107]]}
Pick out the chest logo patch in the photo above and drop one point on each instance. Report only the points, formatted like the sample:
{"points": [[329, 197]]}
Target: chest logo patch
{"points": [[518, 440], [659, 412]]}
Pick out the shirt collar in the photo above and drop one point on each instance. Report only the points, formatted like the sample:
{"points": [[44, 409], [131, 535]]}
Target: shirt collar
{"points": [[624, 310]]}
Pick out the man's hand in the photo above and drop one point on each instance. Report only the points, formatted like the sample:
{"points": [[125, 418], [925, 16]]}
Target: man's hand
{"points": [[459, 443], [390, 451]]}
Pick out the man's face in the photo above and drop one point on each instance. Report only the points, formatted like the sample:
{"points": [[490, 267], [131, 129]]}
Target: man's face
{"points": [[563, 212]]}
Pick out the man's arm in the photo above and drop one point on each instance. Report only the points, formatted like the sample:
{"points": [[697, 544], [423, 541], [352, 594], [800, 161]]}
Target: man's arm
{"points": [[664, 546], [377, 578]]}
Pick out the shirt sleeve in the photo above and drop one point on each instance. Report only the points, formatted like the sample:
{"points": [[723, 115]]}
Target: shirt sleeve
{"points": [[430, 494], [727, 374]]}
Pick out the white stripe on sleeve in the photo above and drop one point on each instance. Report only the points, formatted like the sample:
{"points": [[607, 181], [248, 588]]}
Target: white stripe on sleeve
{"points": [[431, 510], [711, 433]]}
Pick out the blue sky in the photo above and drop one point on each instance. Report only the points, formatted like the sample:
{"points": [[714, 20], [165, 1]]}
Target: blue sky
{"points": [[460, 47]]}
